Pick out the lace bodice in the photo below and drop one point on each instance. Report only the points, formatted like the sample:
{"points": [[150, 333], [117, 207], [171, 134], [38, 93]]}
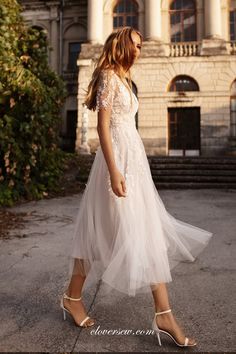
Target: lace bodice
{"points": [[126, 141], [113, 93]]}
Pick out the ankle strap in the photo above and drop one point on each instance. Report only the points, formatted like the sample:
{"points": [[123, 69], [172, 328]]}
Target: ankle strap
{"points": [[160, 313], [71, 298]]}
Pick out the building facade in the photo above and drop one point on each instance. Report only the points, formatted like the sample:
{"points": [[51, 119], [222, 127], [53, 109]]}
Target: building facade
{"points": [[65, 23], [185, 78]]}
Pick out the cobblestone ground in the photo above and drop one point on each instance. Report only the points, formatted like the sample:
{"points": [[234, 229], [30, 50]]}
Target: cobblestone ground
{"points": [[34, 274]]}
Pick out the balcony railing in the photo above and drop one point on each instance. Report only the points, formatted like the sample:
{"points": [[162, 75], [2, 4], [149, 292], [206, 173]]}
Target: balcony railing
{"points": [[187, 49], [184, 49]]}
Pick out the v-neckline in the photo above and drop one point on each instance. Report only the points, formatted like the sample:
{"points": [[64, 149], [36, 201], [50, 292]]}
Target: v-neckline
{"points": [[125, 86]]}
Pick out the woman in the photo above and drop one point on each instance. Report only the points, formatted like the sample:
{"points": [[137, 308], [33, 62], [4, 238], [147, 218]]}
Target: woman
{"points": [[123, 233]]}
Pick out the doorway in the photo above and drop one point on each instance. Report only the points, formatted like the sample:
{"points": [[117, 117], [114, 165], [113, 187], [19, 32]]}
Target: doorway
{"points": [[184, 131]]}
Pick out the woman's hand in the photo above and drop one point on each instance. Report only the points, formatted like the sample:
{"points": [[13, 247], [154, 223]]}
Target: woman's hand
{"points": [[118, 183]]}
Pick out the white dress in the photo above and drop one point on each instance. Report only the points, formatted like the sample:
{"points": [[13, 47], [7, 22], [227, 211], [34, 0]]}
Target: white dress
{"points": [[130, 243]]}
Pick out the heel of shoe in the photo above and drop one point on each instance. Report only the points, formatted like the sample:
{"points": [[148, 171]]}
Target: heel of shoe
{"points": [[63, 309], [156, 329], [64, 314], [158, 337], [65, 296]]}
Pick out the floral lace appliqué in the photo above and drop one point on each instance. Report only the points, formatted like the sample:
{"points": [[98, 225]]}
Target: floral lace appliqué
{"points": [[106, 89], [127, 145]]}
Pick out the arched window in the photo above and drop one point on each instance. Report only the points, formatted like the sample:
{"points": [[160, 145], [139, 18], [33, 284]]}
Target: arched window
{"points": [[74, 36], [232, 20], [74, 50], [233, 110], [183, 83], [183, 21], [125, 13]]}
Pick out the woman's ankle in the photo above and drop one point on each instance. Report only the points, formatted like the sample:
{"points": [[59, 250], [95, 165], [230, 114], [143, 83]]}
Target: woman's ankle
{"points": [[74, 295], [161, 309]]}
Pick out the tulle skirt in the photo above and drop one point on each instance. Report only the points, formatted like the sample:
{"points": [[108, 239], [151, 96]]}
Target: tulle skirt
{"points": [[131, 243]]}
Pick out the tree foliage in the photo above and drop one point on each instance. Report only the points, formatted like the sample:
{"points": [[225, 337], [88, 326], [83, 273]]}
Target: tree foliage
{"points": [[31, 96]]}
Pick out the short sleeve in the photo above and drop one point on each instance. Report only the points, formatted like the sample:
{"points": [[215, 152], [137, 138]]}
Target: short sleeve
{"points": [[106, 89]]}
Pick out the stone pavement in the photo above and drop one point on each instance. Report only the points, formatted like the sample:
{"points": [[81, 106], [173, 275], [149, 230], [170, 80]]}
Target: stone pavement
{"points": [[34, 274]]}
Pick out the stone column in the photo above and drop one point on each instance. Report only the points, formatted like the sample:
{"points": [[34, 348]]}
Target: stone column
{"points": [[54, 37], [213, 43], [153, 20], [82, 131], [84, 148], [95, 21], [153, 35], [213, 22]]}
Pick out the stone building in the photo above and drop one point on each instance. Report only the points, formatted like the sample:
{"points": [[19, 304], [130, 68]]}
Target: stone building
{"points": [[65, 22], [185, 78]]}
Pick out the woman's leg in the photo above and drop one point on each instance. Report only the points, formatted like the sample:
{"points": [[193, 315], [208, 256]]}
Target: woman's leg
{"points": [[74, 290], [167, 321], [76, 285]]}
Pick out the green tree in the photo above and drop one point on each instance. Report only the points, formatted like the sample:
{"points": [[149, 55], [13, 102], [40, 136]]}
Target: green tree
{"points": [[31, 97]]}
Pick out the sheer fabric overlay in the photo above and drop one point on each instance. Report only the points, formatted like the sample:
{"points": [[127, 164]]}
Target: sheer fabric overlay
{"points": [[130, 243]]}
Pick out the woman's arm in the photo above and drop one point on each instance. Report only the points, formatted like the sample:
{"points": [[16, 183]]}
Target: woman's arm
{"points": [[103, 123], [107, 88]]}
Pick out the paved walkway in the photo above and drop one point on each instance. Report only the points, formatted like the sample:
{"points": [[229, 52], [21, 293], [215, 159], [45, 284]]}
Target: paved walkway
{"points": [[34, 269]]}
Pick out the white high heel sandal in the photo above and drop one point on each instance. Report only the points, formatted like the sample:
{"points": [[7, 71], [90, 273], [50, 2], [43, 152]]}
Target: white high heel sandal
{"points": [[158, 331], [64, 296]]}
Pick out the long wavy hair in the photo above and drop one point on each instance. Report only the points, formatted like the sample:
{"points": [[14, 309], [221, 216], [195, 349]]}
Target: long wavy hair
{"points": [[118, 54]]}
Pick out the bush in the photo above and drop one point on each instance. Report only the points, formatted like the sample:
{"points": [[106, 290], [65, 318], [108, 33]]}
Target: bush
{"points": [[31, 97]]}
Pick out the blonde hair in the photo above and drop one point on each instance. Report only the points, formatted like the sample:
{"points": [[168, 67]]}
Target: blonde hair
{"points": [[118, 54]]}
